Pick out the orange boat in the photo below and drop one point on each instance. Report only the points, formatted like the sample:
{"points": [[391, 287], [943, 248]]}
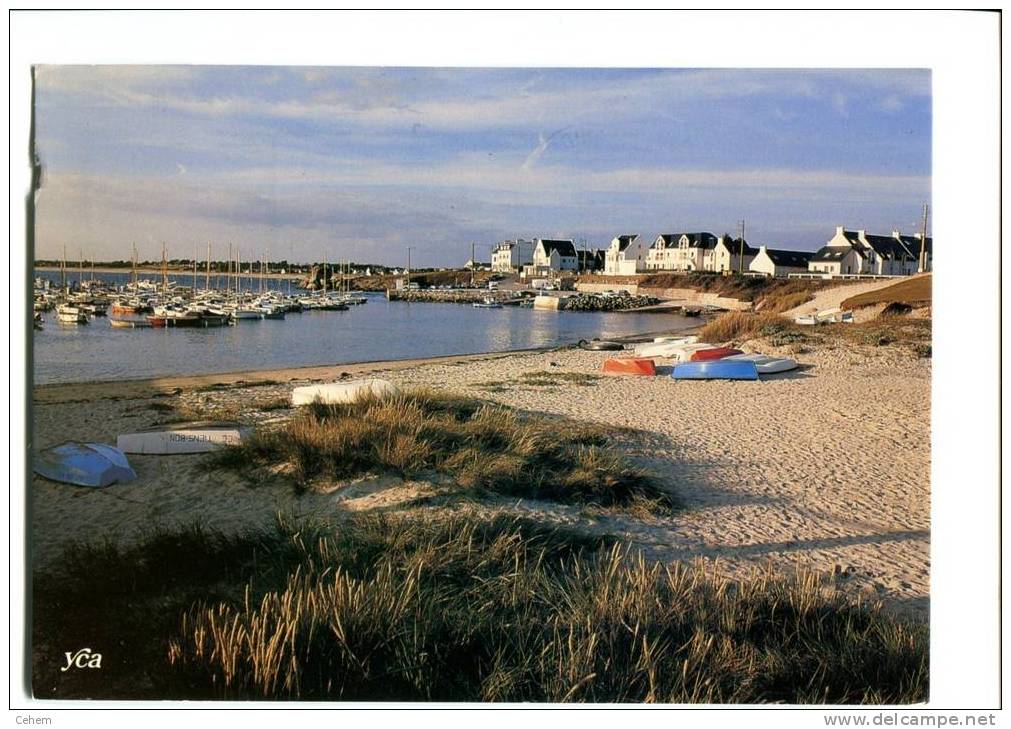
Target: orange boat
{"points": [[629, 366], [704, 355]]}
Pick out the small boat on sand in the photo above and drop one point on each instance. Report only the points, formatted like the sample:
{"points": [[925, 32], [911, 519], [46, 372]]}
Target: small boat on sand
{"points": [[181, 438], [629, 366], [766, 364], [600, 345], [83, 464], [671, 350], [336, 393], [665, 346], [702, 355], [717, 369]]}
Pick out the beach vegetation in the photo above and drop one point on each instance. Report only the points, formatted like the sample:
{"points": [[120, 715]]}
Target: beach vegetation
{"points": [[479, 446], [456, 609]]}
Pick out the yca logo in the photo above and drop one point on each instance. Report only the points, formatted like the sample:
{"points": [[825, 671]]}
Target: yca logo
{"points": [[84, 658]]}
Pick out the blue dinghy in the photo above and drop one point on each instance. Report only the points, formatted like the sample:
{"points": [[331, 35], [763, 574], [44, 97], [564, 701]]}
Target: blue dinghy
{"points": [[84, 464], [716, 369]]}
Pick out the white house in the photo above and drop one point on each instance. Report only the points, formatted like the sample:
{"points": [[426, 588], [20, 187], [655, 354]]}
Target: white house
{"points": [[772, 262], [681, 252], [728, 252], [856, 252], [552, 256], [511, 255], [626, 256]]}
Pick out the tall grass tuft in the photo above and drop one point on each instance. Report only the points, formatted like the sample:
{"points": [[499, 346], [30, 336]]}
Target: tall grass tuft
{"points": [[505, 611], [480, 446], [740, 325]]}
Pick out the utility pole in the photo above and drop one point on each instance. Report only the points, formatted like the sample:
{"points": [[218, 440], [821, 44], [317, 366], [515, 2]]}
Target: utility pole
{"points": [[923, 241], [740, 263]]}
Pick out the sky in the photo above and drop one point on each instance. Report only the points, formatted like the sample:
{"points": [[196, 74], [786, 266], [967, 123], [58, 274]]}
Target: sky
{"points": [[363, 163]]}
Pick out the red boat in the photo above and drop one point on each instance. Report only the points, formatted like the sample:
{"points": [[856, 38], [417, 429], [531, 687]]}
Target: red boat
{"points": [[629, 366], [704, 355], [174, 321]]}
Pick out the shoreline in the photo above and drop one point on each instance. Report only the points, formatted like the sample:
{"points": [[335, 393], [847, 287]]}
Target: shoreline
{"points": [[800, 503], [145, 386]]}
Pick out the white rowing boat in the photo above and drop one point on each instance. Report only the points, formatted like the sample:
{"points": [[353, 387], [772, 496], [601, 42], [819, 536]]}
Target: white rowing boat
{"points": [[767, 364], [336, 393], [181, 438]]}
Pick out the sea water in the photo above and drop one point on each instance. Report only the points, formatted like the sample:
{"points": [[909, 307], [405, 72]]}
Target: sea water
{"points": [[378, 330]]}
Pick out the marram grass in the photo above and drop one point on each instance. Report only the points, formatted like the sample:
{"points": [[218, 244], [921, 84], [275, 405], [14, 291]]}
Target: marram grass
{"points": [[454, 609], [479, 446]]}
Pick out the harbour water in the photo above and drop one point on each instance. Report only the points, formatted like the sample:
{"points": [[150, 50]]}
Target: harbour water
{"points": [[378, 330]]}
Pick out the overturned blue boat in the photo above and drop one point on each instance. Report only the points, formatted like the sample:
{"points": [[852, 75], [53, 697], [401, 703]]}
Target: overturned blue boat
{"points": [[716, 369], [84, 464]]}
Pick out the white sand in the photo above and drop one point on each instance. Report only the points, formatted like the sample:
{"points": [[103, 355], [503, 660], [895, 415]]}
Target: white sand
{"points": [[824, 469]]}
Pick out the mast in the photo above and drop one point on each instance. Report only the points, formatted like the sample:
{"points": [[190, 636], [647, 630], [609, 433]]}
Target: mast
{"points": [[63, 269], [207, 280], [194, 270], [228, 276], [923, 242], [740, 264], [324, 273], [164, 269], [80, 269], [133, 270]]}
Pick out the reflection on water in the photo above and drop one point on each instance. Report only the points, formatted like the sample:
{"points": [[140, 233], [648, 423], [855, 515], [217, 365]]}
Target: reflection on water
{"points": [[378, 330]]}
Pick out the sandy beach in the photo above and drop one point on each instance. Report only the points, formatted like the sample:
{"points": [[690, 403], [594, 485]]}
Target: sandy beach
{"points": [[825, 468]]}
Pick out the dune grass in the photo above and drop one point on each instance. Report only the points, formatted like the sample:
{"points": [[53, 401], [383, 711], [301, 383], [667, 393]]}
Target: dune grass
{"points": [[458, 609], [480, 446], [742, 325]]}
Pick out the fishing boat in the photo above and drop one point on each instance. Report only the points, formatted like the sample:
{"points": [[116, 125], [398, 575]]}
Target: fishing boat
{"points": [[717, 369], [67, 314], [766, 364], [121, 323], [181, 438], [83, 464], [629, 366], [487, 302], [703, 355], [174, 319], [343, 392]]}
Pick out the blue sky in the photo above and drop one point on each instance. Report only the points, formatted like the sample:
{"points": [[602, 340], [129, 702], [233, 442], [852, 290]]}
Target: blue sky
{"points": [[361, 163]]}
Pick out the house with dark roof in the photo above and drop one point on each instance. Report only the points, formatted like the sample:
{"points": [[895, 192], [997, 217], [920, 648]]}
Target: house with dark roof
{"points": [[511, 255], [774, 262], [551, 256], [681, 252], [857, 252], [626, 256], [732, 254], [591, 261]]}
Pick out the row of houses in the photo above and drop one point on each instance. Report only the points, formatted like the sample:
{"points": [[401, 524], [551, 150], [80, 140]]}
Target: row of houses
{"points": [[848, 252]]}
